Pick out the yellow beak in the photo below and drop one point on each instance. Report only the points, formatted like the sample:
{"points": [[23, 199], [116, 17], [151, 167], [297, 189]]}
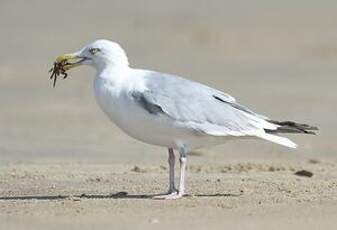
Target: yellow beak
{"points": [[70, 60]]}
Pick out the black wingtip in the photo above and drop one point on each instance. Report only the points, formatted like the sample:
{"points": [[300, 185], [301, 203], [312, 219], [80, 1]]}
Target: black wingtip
{"points": [[292, 127]]}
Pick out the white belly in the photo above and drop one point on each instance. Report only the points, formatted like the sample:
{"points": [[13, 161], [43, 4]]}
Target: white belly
{"points": [[138, 123]]}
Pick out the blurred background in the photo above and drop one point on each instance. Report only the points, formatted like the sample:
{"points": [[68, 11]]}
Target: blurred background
{"points": [[277, 57]]}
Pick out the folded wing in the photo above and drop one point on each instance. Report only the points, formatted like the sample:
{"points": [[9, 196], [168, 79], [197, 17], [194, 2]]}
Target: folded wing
{"points": [[201, 108]]}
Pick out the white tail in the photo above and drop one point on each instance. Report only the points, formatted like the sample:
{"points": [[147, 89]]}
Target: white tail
{"points": [[278, 140]]}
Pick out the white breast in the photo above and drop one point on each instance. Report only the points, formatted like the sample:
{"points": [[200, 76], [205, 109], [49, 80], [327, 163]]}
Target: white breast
{"points": [[118, 105]]}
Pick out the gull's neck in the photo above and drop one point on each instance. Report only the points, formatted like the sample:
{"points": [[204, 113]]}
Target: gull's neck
{"points": [[114, 74], [114, 69]]}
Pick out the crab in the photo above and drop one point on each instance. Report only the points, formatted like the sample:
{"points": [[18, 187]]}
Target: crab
{"points": [[57, 70]]}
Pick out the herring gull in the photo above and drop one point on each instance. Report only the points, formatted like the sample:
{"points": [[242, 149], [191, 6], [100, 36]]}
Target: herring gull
{"points": [[170, 111]]}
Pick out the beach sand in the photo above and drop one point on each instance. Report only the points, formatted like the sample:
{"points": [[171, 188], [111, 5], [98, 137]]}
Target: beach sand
{"points": [[63, 164]]}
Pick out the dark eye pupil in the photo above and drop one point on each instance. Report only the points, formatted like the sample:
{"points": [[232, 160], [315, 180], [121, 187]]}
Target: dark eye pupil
{"points": [[94, 50]]}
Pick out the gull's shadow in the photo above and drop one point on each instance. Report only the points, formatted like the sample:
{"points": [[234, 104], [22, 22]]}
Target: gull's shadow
{"points": [[118, 195]]}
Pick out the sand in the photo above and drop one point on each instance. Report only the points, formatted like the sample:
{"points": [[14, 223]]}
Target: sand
{"points": [[63, 164]]}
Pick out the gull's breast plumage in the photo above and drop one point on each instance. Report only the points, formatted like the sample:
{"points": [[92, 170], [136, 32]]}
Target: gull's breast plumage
{"points": [[117, 102]]}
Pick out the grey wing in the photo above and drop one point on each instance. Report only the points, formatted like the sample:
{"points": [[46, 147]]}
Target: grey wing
{"points": [[198, 107]]}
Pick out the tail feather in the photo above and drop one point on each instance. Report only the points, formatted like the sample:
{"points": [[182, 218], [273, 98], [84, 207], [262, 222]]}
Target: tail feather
{"points": [[278, 140], [291, 127]]}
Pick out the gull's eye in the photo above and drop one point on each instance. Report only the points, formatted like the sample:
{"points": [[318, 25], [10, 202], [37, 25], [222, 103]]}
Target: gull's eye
{"points": [[94, 51]]}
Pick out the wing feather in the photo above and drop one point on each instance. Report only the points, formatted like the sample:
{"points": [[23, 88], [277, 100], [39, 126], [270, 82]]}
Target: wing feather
{"points": [[199, 107]]}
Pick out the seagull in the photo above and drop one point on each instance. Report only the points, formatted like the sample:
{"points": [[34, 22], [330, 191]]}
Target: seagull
{"points": [[170, 111]]}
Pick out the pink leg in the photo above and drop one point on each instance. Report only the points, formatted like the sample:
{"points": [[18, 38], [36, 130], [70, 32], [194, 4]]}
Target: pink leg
{"points": [[171, 161], [176, 195], [172, 190], [183, 160]]}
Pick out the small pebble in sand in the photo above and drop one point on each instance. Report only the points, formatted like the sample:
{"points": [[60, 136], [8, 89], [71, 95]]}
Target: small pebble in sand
{"points": [[138, 169], [162, 167], [304, 173], [313, 161], [271, 169]]}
